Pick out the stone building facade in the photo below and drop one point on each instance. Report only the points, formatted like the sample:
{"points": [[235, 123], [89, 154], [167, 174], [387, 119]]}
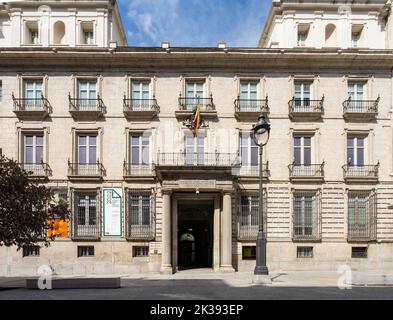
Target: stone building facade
{"points": [[109, 128]]}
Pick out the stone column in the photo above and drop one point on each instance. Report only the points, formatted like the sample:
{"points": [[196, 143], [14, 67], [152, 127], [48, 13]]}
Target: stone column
{"points": [[166, 261], [226, 234]]}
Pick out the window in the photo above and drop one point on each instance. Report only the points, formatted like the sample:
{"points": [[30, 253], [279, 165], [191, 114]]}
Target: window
{"points": [[86, 221], [302, 94], [85, 251], [33, 149], [87, 94], [248, 215], [304, 252], [302, 35], [31, 251], [87, 33], [140, 215], [361, 215], [302, 150], [305, 215], [249, 150], [194, 93], [248, 94], [87, 149], [355, 151], [356, 90], [140, 251], [31, 33], [33, 93], [356, 35], [140, 153], [140, 94], [249, 253], [359, 252], [195, 150]]}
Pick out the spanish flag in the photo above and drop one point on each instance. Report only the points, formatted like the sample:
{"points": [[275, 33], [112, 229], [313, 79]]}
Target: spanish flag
{"points": [[197, 118]]}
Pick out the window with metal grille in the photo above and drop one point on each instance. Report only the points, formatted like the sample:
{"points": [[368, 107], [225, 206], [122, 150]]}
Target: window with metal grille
{"points": [[140, 215], [362, 208], [31, 251], [86, 220], [140, 251], [306, 208], [359, 252], [249, 253], [85, 251], [304, 252], [248, 215]]}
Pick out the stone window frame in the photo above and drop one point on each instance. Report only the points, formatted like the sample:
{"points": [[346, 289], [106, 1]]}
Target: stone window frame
{"points": [[79, 39], [368, 135], [206, 79], [314, 133], [22, 132], [22, 78], [152, 142], [314, 84], [76, 131], [259, 80], [26, 29], [130, 78], [88, 77], [368, 85]]}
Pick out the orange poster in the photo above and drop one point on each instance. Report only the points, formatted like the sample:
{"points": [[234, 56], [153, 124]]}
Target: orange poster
{"points": [[60, 228]]}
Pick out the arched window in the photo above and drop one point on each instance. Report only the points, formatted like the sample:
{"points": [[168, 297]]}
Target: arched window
{"points": [[330, 35], [58, 32]]}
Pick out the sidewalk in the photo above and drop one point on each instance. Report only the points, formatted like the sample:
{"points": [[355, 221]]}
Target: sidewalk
{"points": [[238, 279]]}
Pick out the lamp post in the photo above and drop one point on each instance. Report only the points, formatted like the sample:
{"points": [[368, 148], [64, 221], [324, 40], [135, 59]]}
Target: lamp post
{"points": [[260, 134]]}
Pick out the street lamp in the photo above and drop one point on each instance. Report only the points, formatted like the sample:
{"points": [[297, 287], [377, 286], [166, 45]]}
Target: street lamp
{"points": [[260, 134]]}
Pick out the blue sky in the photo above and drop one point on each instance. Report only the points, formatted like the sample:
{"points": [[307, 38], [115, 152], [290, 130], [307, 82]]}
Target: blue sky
{"points": [[193, 23]]}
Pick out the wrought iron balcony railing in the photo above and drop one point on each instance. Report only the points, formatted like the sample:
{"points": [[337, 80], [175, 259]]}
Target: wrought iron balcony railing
{"points": [[368, 107], [198, 159], [361, 172], [253, 170], [305, 106], [140, 105], [251, 106], [86, 231], [306, 171], [86, 105], [135, 170], [141, 232], [86, 169], [36, 169], [189, 104], [31, 104]]}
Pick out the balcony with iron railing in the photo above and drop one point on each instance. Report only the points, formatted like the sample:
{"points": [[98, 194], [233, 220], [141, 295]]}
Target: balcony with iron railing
{"points": [[140, 232], [86, 231], [252, 171], [250, 108], [36, 170], [356, 173], [305, 108], [311, 172], [31, 108], [140, 108], [188, 105], [194, 160], [360, 109], [86, 108], [131, 170], [83, 171]]}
